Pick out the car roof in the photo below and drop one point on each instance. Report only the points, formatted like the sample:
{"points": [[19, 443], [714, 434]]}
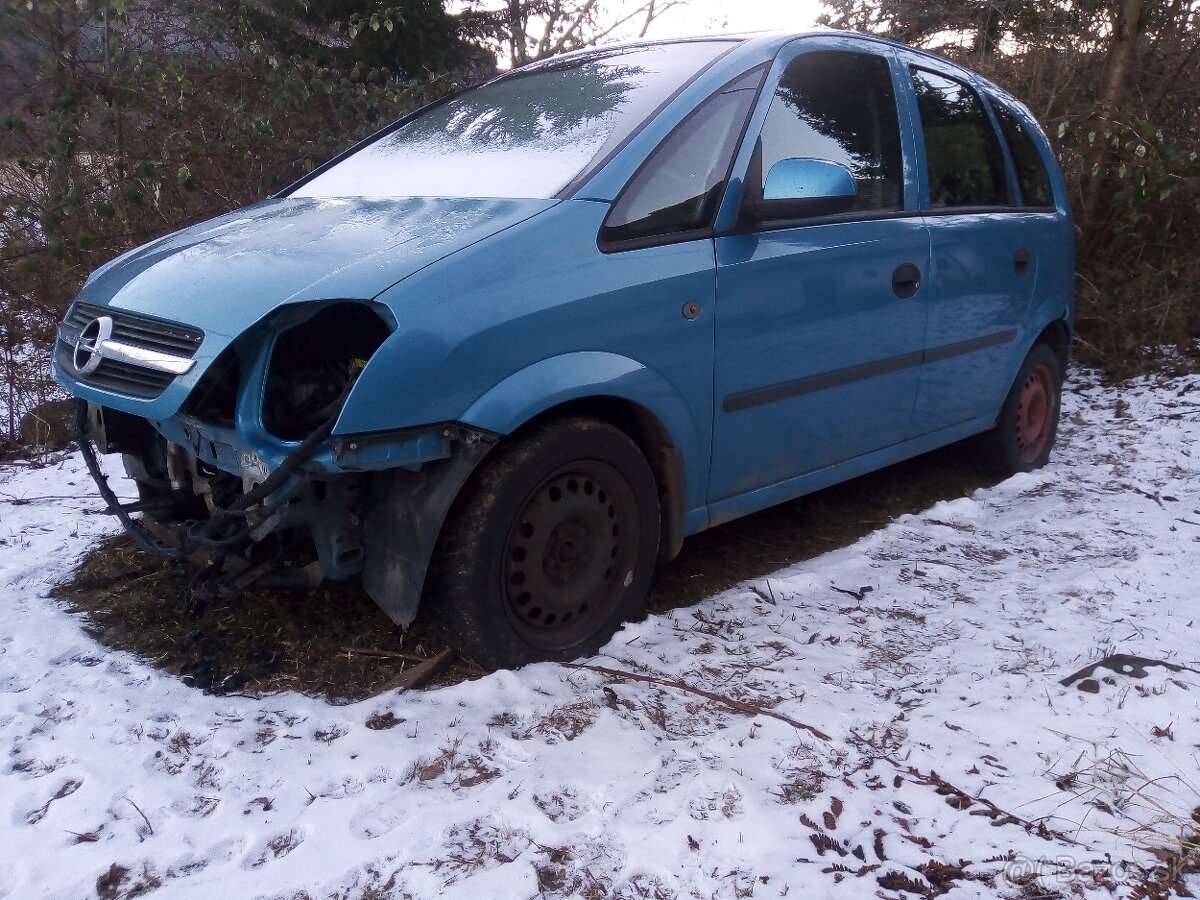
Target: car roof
{"points": [[603, 180], [769, 40], [774, 40]]}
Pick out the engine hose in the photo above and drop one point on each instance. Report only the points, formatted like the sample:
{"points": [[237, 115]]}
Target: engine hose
{"points": [[293, 461], [199, 533]]}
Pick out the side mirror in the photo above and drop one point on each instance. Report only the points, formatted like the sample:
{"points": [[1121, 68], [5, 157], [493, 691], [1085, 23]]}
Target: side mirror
{"points": [[800, 188]]}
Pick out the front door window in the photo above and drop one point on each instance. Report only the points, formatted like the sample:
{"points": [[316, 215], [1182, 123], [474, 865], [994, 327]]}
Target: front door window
{"points": [[840, 107]]}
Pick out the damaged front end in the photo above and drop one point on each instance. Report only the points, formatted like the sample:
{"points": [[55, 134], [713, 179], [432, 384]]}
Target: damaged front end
{"points": [[249, 473]]}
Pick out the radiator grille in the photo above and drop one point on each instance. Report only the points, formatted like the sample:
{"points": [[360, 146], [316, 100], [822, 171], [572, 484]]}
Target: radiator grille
{"points": [[140, 331]]}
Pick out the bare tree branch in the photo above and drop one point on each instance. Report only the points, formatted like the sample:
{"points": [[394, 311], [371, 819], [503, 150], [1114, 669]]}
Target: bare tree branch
{"points": [[529, 30]]}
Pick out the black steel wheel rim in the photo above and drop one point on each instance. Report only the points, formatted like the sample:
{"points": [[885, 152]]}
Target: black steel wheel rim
{"points": [[570, 555]]}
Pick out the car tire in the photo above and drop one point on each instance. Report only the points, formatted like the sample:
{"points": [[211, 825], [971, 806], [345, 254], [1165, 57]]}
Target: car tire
{"points": [[549, 548], [1028, 423]]}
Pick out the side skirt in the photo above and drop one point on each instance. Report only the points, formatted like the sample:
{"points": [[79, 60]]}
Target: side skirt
{"points": [[735, 507]]}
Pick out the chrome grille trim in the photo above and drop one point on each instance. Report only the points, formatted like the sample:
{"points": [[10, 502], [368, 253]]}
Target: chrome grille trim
{"points": [[129, 353], [142, 331], [140, 358]]}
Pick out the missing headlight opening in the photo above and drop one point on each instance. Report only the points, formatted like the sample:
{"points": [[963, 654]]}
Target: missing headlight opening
{"points": [[214, 399], [311, 365], [207, 499]]}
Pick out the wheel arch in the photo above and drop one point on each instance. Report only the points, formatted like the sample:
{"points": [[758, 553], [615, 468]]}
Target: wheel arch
{"points": [[1057, 336], [627, 395], [653, 439]]}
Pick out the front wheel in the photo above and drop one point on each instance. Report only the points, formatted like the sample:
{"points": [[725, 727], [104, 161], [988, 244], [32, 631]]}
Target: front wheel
{"points": [[1028, 424], [550, 547]]}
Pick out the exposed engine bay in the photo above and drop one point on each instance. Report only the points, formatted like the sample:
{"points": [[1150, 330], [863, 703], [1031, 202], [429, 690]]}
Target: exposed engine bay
{"points": [[231, 509]]}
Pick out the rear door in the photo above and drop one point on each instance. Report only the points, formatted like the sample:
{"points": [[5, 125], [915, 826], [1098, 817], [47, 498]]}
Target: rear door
{"points": [[819, 339], [983, 251]]}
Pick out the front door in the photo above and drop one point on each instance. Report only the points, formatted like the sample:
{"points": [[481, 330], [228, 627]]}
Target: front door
{"points": [[820, 322]]}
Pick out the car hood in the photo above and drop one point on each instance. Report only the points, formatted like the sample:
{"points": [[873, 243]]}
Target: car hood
{"points": [[225, 274]]}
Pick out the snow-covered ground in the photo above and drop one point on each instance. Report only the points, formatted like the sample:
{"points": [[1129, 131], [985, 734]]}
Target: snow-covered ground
{"points": [[797, 736]]}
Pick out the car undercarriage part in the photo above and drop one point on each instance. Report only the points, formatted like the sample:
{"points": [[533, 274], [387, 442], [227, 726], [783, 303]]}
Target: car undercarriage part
{"points": [[226, 525], [223, 577], [383, 522], [228, 528]]}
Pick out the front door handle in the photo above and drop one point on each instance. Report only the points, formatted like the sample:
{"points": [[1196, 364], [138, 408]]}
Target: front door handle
{"points": [[1023, 261], [906, 281]]}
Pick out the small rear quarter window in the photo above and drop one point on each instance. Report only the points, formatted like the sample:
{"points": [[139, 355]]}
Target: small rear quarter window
{"points": [[1032, 177]]}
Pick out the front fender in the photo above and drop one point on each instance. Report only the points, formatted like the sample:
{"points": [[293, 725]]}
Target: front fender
{"points": [[588, 374]]}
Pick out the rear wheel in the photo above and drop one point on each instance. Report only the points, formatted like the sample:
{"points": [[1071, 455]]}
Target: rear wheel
{"points": [[550, 547], [1028, 423]]}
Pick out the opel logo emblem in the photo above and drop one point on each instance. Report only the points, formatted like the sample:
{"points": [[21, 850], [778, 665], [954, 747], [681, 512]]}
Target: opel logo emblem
{"points": [[86, 358]]}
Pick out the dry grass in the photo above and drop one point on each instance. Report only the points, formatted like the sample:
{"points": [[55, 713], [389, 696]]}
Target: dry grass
{"points": [[332, 642], [1164, 808]]}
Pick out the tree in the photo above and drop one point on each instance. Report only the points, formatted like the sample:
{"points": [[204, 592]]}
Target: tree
{"points": [[979, 27], [121, 120], [523, 31], [406, 37]]}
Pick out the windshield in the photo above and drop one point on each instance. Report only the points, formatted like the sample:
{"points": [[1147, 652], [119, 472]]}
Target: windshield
{"points": [[527, 135]]}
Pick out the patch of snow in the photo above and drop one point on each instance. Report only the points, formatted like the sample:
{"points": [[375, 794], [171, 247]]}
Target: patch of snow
{"points": [[798, 735]]}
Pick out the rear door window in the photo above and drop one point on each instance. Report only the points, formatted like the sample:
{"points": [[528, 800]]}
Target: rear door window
{"points": [[963, 158]]}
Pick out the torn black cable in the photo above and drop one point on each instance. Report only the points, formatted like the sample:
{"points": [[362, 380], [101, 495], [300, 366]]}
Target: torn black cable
{"points": [[144, 540]]}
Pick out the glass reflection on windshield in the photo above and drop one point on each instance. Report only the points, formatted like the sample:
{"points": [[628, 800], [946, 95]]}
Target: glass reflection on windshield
{"points": [[528, 134]]}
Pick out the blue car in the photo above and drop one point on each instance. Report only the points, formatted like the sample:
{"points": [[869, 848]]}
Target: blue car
{"points": [[501, 357]]}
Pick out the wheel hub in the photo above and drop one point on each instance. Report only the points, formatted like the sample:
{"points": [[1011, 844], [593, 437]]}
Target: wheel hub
{"points": [[566, 554], [567, 551], [1035, 415]]}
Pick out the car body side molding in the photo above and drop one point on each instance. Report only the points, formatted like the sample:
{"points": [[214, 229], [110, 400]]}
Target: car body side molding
{"points": [[775, 392]]}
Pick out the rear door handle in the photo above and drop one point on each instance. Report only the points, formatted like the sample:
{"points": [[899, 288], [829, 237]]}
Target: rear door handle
{"points": [[1023, 261], [906, 281]]}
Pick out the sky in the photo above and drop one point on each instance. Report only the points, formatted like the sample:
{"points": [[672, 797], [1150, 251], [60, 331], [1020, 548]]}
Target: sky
{"points": [[696, 17], [701, 16]]}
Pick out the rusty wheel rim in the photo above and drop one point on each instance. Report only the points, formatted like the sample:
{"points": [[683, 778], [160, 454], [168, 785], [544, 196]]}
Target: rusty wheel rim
{"points": [[570, 554], [1035, 414]]}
